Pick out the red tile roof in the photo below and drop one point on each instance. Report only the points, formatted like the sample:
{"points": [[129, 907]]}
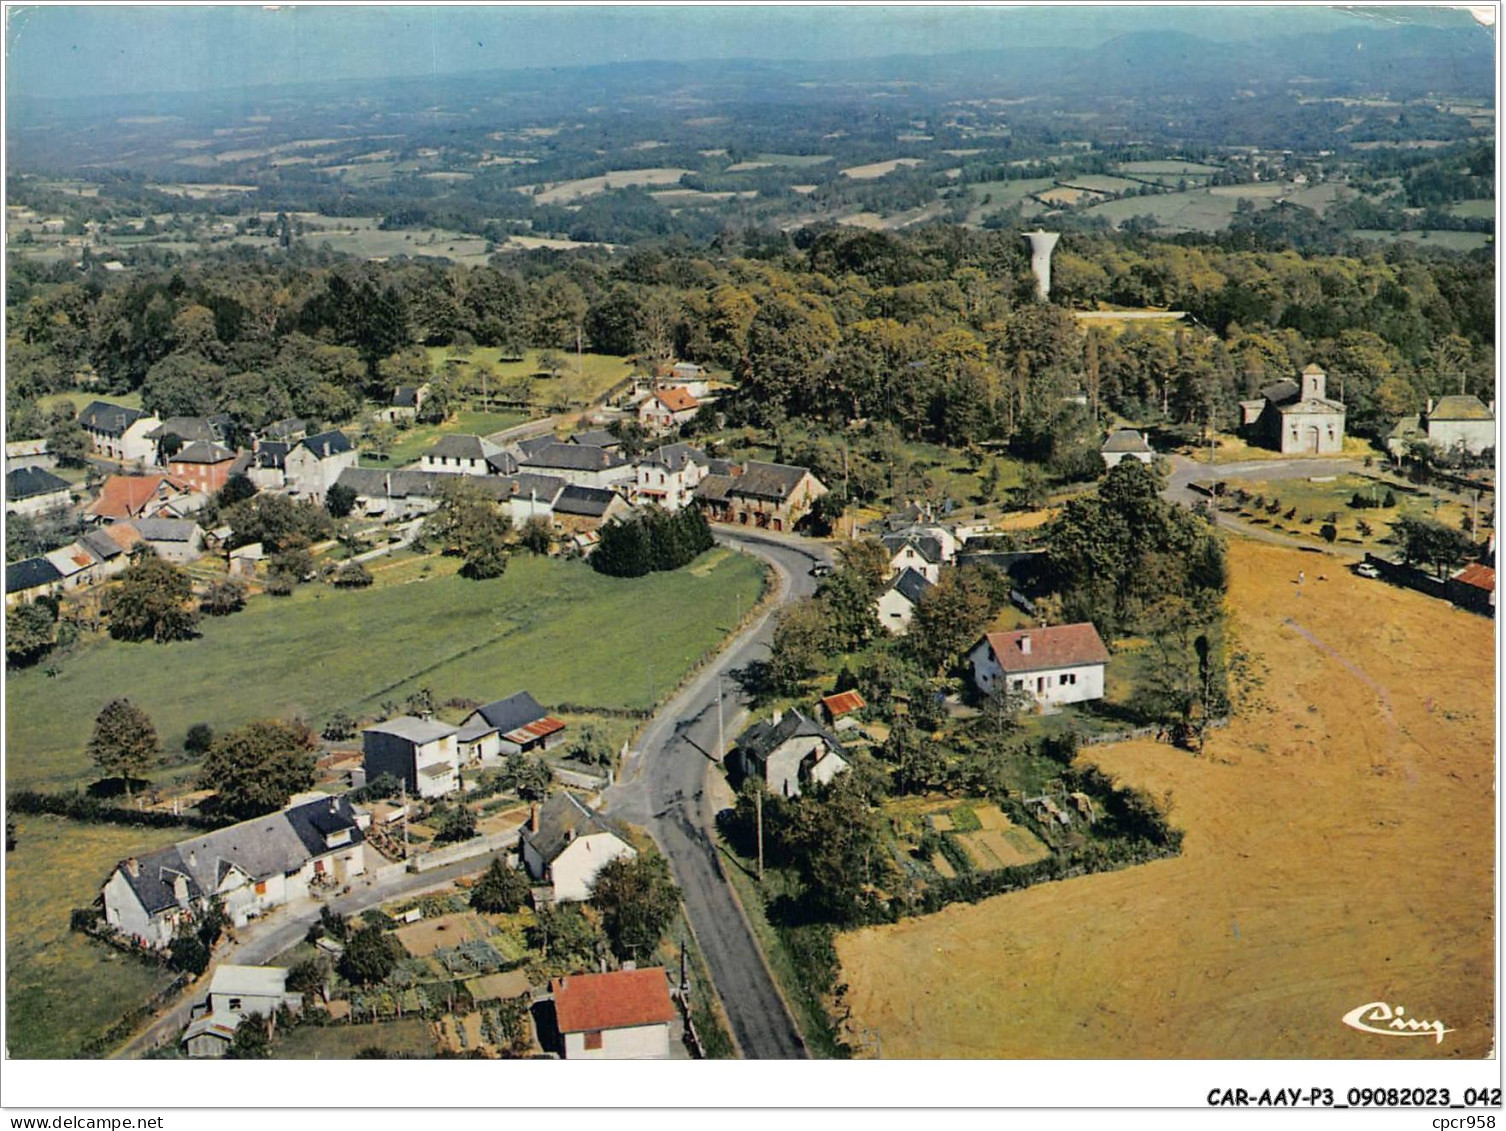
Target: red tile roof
{"points": [[1480, 576], [123, 534], [1061, 646], [677, 399], [539, 728], [123, 496], [587, 1003], [843, 703]]}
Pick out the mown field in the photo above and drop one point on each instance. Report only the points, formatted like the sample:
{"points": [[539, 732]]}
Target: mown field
{"points": [[1196, 210], [1430, 237], [62, 989], [558, 629], [1314, 500], [585, 378], [413, 442], [1339, 850]]}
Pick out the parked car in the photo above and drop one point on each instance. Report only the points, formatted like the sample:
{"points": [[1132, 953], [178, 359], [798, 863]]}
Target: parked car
{"points": [[821, 569], [1365, 569]]}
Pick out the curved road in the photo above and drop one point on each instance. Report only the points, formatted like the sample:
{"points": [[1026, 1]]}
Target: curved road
{"points": [[662, 789]]}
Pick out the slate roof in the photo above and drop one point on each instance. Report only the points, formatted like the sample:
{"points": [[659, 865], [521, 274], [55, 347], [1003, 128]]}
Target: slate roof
{"points": [[1125, 440], [203, 452], [265, 846], [191, 429], [405, 396], [588, 502], [561, 819], [595, 438], [31, 482], [929, 545], [1060, 646], [462, 447], [534, 444], [620, 999], [102, 545], [286, 430], [674, 457], [152, 879], [372, 482], [502, 463], [314, 821], [1460, 408], [573, 457], [271, 453], [721, 467], [714, 488], [326, 444], [29, 573], [766, 736], [767, 480], [413, 729], [910, 583], [165, 529], [108, 419], [1279, 392], [502, 715]]}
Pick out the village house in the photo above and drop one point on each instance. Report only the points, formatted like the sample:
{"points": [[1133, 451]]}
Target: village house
{"points": [[1458, 423], [109, 547], [406, 401], [288, 431], [925, 549], [619, 1015], [596, 438], [236, 993], [403, 494], [580, 510], [1056, 665], [313, 464], [120, 433], [30, 578], [464, 455], [665, 409], [578, 464], [176, 539], [1473, 588], [1125, 443], [203, 466], [669, 475], [252, 868], [177, 432], [788, 751], [28, 453], [901, 594], [515, 725], [768, 496], [1296, 417], [421, 753], [34, 490], [267, 468], [566, 843], [145, 496]]}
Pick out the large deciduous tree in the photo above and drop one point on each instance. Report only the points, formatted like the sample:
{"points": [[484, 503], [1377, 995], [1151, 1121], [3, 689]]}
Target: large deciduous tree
{"points": [[152, 601], [124, 744], [638, 900], [255, 768]]}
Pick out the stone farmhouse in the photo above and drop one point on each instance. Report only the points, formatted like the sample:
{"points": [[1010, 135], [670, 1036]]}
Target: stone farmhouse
{"points": [[669, 475], [1125, 443], [253, 867], [1061, 664], [788, 751], [34, 490], [313, 464], [766, 496], [119, 433], [666, 408], [566, 843]]}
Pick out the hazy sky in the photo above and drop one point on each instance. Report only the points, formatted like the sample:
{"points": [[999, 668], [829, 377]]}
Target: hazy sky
{"points": [[119, 49]]}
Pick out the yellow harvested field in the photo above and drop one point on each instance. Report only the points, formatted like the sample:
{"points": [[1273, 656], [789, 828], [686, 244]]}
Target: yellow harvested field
{"points": [[1067, 196], [879, 168], [1339, 851], [1026, 520], [567, 191]]}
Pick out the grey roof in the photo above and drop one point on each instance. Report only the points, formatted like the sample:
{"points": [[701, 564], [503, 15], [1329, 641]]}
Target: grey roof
{"points": [[714, 488], [561, 819], [263, 847], [152, 879], [326, 444], [502, 715], [767, 480], [286, 429], [30, 482], [1463, 407], [589, 502], [165, 529], [1125, 440], [271, 453], [201, 451], [462, 447], [502, 463], [405, 396], [108, 419], [314, 821], [413, 729], [674, 457], [192, 429], [30, 573], [721, 467], [535, 444], [101, 545], [573, 457], [911, 584], [1279, 392], [929, 545], [595, 438], [765, 736], [405, 483]]}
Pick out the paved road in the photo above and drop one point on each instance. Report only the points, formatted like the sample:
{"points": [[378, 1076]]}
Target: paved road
{"points": [[662, 789], [262, 940]]}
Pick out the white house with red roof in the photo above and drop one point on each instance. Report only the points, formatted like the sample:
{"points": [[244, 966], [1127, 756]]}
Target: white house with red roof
{"points": [[621, 1015], [1061, 664], [667, 408]]}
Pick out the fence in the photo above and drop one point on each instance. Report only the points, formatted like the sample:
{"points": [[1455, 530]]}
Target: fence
{"points": [[1150, 731], [592, 782], [1467, 597], [476, 846]]}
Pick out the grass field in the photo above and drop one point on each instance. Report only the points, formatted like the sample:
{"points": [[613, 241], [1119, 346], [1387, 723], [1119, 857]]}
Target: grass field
{"points": [[1444, 240], [409, 1036], [1095, 182], [879, 168], [1005, 194], [1314, 500], [1474, 209], [566, 192], [61, 989], [1339, 850], [413, 442], [558, 629], [362, 236], [1168, 169], [1196, 210], [80, 401], [584, 380]]}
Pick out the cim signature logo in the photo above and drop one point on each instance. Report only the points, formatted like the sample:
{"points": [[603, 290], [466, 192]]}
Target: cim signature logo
{"points": [[1369, 1018]]}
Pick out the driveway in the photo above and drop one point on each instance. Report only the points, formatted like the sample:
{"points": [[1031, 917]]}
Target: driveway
{"points": [[662, 787]]}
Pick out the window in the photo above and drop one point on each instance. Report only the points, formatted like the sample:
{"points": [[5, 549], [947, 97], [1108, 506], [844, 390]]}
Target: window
{"points": [[1019, 685], [261, 887], [234, 1004], [593, 1039]]}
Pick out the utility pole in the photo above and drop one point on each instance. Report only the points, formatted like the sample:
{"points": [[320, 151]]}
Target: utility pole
{"points": [[403, 795], [721, 738], [758, 803]]}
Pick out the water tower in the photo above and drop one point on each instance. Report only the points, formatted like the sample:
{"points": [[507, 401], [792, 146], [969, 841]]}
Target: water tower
{"points": [[1041, 246]]}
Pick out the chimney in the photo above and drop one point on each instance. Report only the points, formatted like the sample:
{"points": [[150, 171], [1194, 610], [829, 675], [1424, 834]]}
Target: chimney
{"points": [[778, 716], [1025, 644], [1492, 407], [334, 805], [533, 817], [193, 858], [1430, 406], [387, 483], [133, 866]]}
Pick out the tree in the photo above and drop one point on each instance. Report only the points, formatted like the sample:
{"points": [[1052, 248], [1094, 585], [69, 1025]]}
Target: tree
{"points": [[237, 489], [459, 824], [198, 740], [339, 500], [527, 777], [339, 727], [352, 575], [500, 889], [221, 598], [255, 768], [638, 900], [919, 764], [1425, 542], [188, 952], [370, 956], [568, 934], [151, 602], [1329, 531], [801, 642], [30, 632], [124, 744], [953, 613], [309, 976], [252, 1040], [537, 537], [486, 553], [835, 842]]}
